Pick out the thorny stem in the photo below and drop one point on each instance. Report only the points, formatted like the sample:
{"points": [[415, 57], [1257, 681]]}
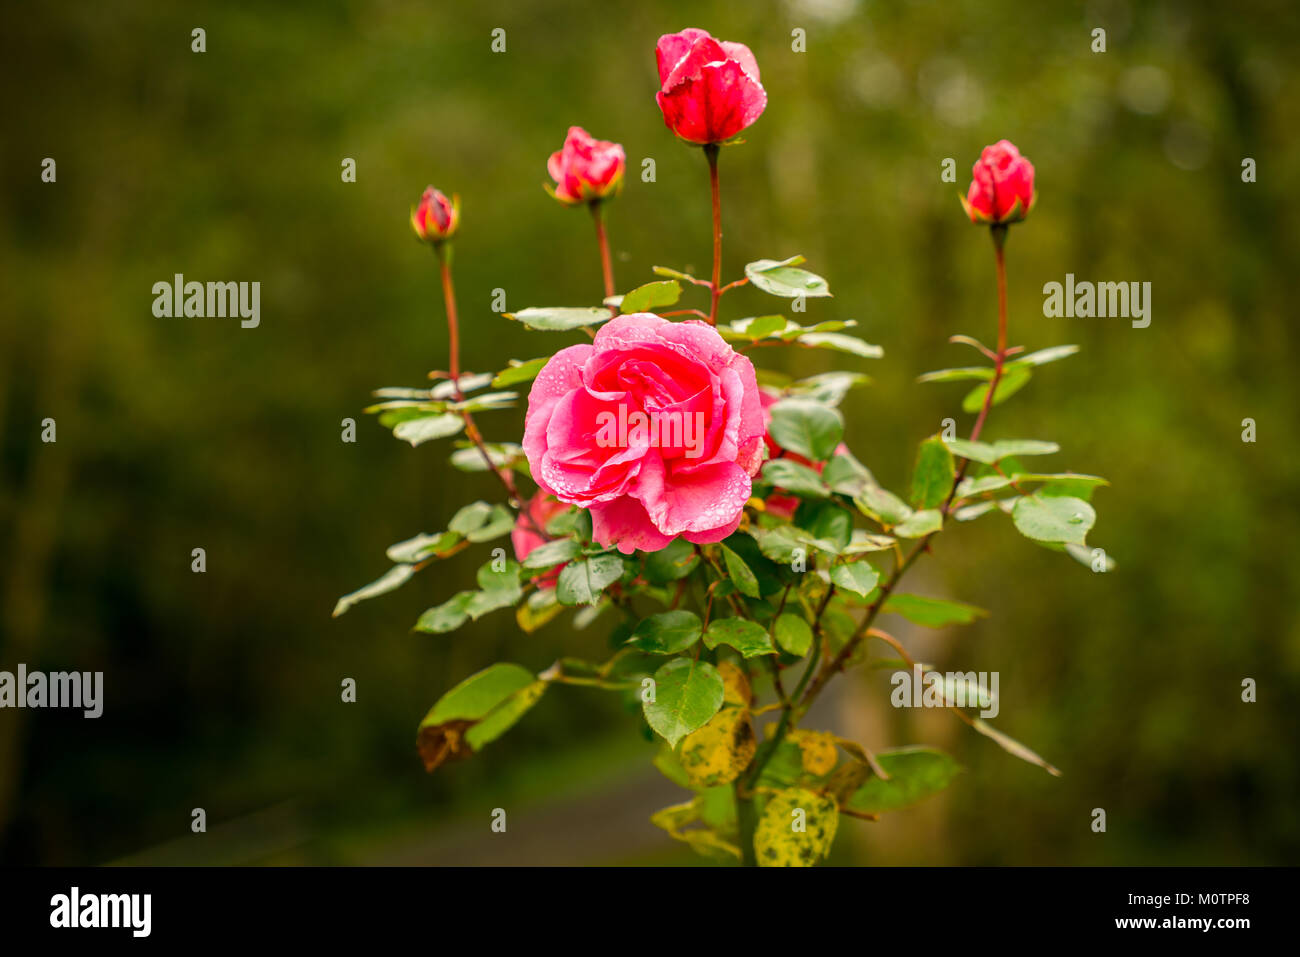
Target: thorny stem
{"points": [[606, 267], [711, 152]]}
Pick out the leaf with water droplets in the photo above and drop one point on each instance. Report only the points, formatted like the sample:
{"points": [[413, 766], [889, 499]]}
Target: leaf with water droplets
{"points": [[1062, 520]]}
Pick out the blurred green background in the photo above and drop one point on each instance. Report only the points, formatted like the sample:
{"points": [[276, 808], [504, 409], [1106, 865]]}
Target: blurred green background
{"points": [[223, 689]]}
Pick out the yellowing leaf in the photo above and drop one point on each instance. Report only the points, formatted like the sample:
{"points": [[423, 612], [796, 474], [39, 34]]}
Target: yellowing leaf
{"points": [[796, 829], [735, 686], [817, 751], [703, 840], [721, 750]]}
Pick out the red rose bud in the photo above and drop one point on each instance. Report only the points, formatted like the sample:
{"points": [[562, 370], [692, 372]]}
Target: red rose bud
{"points": [[586, 169], [437, 217], [1003, 187], [710, 89]]}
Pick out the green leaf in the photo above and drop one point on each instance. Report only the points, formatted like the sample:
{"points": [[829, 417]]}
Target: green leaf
{"points": [[672, 273], [755, 328], [559, 318], [505, 578], [782, 542], [1008, 447], [499, 589], [581, 582], [846, 475], [826, 522], [829, 388], [542, 606], [468, 382], [863, 541], [552, 553], [793, 331], [651, 296], [1012, 746], [395, 577], [1044, 356], [882, 505], [807, 428], [1062, 520], [475, 712], [1013, 380], [519, 371], [914, 774], [498, 522], [687, 693], [956, 375], [795, 478], [793, 634], [970, 512], [766, 575], [856, 577], [747, 637], [448, 616], [481, 522], [975, 451], [740, 573], [781, 278], [671, 563], [932, 612], [503, 717], [933, 475], [667, 633], [796, 829], [981, 485], [422, 546], [1087, 556], [427, 427], [468, 458], [841, 343], [920, 524], [485, 402]]}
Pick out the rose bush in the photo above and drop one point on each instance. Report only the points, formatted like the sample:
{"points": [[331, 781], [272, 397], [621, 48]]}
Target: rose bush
{"points": [[749, 555]]}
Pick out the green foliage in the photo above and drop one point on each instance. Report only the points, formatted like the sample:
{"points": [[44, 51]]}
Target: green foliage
{"points": [[806, 428], [782, 278], [913, 775], [687, 693], [559, 318], [651, 296]]}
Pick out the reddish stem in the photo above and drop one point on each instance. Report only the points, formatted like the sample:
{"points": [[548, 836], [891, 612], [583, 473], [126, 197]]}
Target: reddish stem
{"points": [[606, 266], [711, 151], [999, 360], [471, 430]]}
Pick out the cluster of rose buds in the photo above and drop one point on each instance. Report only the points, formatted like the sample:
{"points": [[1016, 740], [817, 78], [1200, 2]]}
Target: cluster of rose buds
{"points": [[642, 498]]}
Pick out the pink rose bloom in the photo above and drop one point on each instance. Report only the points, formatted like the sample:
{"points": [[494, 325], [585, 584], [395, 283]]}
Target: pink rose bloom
{"points": [[710, 89], [436, 217], [530, 532], [688, 472], [586, 168], [1002, 190]]}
